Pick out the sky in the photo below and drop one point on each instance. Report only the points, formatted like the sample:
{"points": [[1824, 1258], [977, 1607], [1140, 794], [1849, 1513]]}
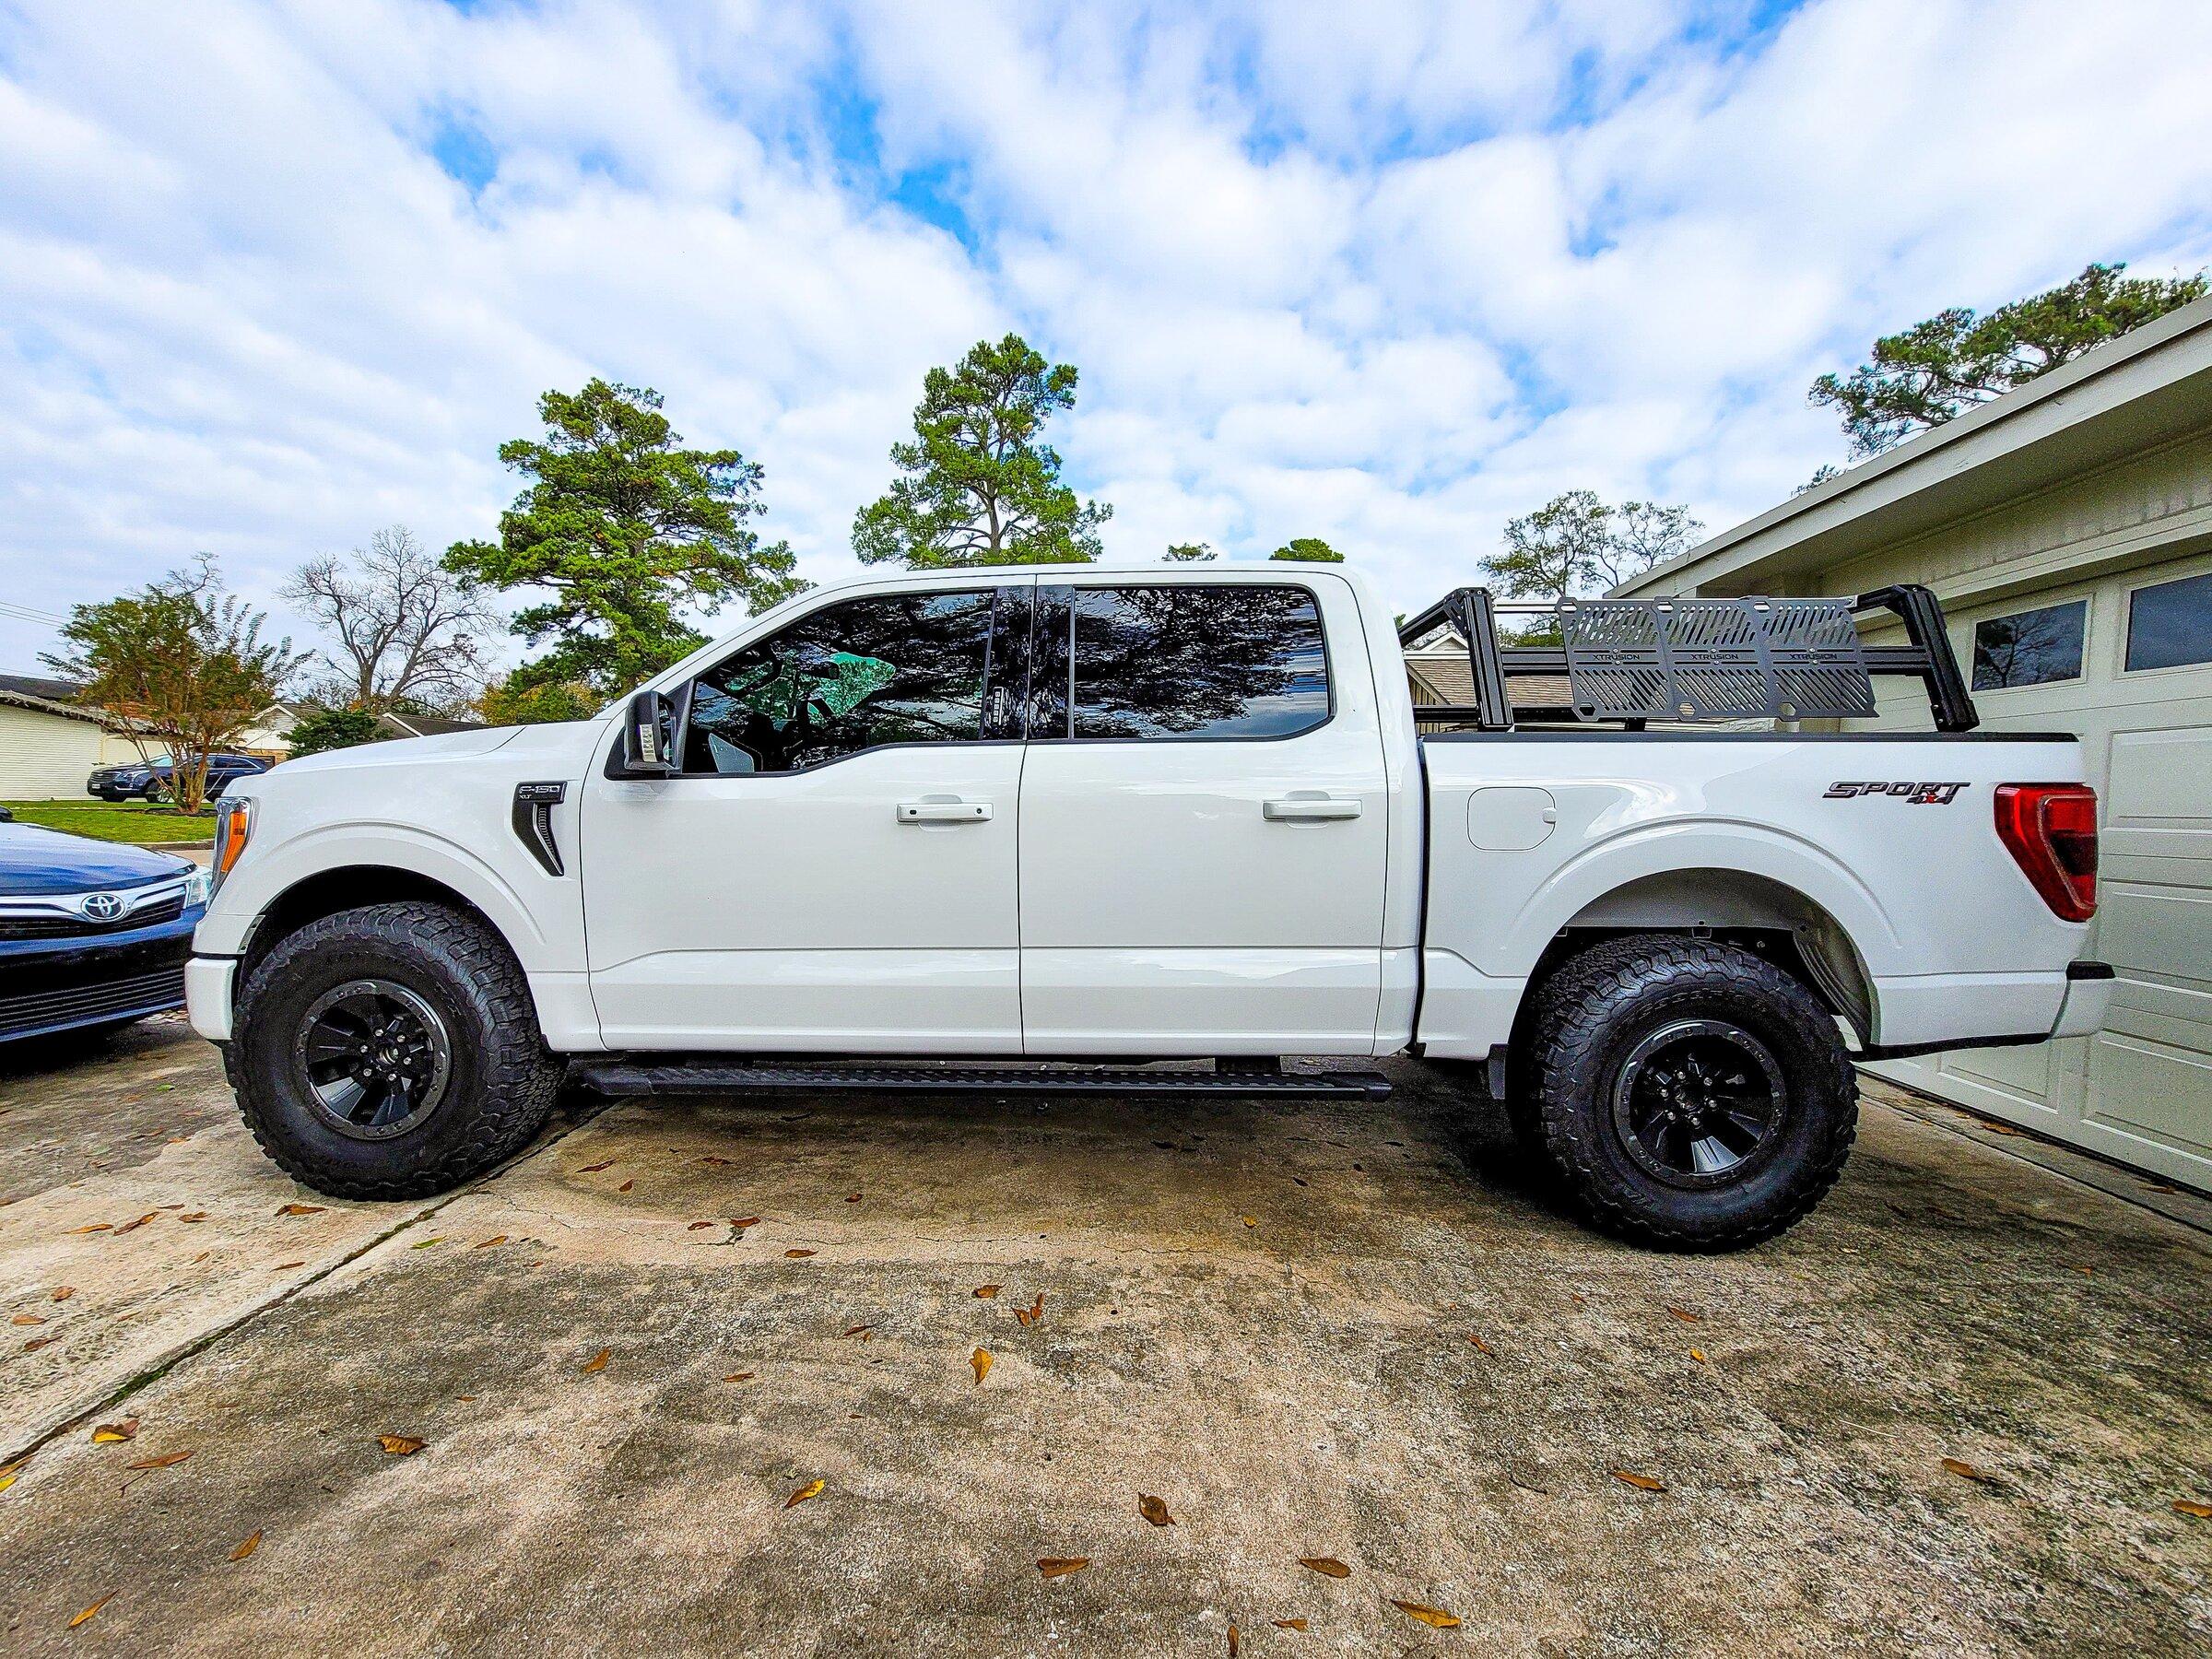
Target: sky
{"points": [[276, 275]]}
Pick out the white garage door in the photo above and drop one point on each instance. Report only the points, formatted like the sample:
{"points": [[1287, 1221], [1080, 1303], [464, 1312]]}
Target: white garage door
{"points": [[2127, 663]]}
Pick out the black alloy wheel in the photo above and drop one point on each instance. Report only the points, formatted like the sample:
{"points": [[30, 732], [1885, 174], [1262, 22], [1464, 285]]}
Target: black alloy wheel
{"points": [[375, 1058], [1697, 1101]]}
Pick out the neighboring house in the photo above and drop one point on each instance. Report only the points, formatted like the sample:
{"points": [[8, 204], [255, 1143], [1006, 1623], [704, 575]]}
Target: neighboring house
{"points": [[2067, 528], [269, 736], [424, 725], [1439, 672], [47, 747]]}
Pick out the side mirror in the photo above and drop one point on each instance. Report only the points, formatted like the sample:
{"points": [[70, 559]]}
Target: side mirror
{"points": [[649, 737]]}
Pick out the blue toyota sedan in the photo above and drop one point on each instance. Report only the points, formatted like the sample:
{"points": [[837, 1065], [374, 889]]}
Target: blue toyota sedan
{"points": [[91, 932]]}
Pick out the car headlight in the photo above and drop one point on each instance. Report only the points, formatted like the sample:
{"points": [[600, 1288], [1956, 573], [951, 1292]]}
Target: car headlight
{"points": [[199, 886], [233, 828]]}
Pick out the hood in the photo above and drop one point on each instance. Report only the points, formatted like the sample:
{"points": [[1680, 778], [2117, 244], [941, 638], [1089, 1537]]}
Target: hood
{"points": [[398, 751], [46, 861]]}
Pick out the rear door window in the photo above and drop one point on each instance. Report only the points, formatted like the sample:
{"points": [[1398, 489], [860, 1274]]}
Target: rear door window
{"points": [[1197, 660]]}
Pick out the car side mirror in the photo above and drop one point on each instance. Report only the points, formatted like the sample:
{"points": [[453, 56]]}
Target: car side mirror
{"points": [[649, 737]]}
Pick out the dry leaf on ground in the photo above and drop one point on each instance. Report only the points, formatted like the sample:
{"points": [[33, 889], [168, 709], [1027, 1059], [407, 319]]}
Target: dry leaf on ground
{"points": [[1642, 1483], [1033, 1313], [64, 1292], [739, 1377], [1485, 1346], [698, 1226], [2189, 1506], [1966, 1471], [87, 1613], [133, 1226], [488, 1243], [401, 1445], [95, 1227], [1686, 1316], [1698, 1355], [1153, 1509], [981, 1359], [247, 1545], [595, 1169], [1061, 1566], [986, 1291], [744, 1221], [798, 1254], [597, 1362], [301, 1209], [108, 1434], [813, 1489], [168, 1460], [27, 1319], [1288, 1624], [1327, 1566], [1435, 1618], [1233, 1648]]}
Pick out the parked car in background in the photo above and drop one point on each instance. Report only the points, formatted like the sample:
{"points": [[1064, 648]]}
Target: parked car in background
{"points": [[154, 779], [91, 932]]}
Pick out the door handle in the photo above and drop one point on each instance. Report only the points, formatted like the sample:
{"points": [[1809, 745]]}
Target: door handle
{"points": [[943, 810], [1306, 809]]}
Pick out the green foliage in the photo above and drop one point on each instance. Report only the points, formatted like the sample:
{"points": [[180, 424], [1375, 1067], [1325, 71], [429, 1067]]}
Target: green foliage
{"points": [[520, 699], [182, 663], [323, 729], [1189, 552], [626, 527], [979, 487], [1575, 543], [1940, 369], [1308, 549]]}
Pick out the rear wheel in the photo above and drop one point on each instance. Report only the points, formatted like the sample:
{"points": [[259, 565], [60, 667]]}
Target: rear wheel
{"points": [[390, 1051], [1690, 1094]]}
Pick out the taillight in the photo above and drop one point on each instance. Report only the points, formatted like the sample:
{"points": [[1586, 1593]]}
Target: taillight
{"points": [[2051, 830]]}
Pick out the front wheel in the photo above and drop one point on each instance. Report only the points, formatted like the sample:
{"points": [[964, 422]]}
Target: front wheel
{"points": [[391, 1052], [1691, 1094]]}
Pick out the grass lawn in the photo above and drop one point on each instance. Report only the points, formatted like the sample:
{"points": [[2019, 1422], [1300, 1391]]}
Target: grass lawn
{"points": [[115, 821]]}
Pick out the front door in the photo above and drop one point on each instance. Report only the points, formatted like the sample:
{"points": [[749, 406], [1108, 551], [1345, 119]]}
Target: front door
{"points": [[834, 869], [1203, 820]]}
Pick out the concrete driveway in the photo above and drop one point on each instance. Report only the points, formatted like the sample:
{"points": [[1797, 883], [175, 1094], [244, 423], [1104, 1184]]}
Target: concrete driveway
{"points": [[710, 1377]]}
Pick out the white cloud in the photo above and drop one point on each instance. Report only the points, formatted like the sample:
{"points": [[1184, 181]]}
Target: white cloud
{"points": [[1386, 275]]}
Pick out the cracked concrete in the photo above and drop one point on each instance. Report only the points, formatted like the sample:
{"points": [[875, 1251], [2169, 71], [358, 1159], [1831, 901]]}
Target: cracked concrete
{"points": [[1313, 1331]]}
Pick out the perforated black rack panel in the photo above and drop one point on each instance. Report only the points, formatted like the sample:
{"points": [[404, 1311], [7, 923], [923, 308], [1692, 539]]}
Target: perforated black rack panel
{"points": [[1715, 659]]}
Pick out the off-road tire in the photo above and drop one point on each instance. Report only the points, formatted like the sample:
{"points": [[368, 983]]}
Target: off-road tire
{"points": [[502, 1080], [1586, 1020]]}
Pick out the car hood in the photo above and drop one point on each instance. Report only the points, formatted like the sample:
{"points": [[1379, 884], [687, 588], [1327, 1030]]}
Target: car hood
{"points": [[398, 751], [33, 860]]}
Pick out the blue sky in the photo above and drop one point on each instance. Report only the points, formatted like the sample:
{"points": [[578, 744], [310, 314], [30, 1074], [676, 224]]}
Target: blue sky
{"points": [[275, 275]]}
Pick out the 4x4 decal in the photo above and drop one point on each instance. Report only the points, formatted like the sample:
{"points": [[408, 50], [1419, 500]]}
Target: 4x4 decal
{"points": [[1912, 794]]}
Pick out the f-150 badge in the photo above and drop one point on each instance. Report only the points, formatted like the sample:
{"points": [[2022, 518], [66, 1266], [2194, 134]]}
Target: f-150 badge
{"points": [[1912, 794]]}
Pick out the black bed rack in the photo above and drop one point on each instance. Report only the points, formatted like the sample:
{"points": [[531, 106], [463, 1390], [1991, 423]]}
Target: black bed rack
{"points": [[1636, 661]]}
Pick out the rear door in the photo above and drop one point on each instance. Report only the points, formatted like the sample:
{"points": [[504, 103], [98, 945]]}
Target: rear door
{"points": [[1203, 820]]}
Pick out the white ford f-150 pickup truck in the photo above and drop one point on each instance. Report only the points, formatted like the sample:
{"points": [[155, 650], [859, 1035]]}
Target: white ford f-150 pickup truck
{"points": [[1043, 828]]}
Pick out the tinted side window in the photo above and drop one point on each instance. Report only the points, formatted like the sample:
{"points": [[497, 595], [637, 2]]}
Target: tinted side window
{"points": [[2031, 647], [1199, 660], [2170, 624], [893, 668]]}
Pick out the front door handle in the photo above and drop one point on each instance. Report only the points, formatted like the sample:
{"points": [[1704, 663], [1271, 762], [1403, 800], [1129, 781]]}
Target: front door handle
{"points": [[943, 810], [1307, 809]]}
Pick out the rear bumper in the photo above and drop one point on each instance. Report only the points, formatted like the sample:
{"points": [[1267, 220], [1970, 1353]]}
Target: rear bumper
{"points": [[207, 985], [2088, 999], [2010, 1011]]}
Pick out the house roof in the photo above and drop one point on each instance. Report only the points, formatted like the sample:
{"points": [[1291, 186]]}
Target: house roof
{"points": [[1447, 676], [46, 705], [2150, 387], [31, 684], [428, 725]]}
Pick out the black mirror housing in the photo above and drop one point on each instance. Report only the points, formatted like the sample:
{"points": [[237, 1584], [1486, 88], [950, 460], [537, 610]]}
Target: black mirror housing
{"points": [[649, 737]]}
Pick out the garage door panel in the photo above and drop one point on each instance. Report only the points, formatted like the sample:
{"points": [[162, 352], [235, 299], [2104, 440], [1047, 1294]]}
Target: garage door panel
{"points": [[2155, 935], [2161, 779], [2023, 1071], [2160, 1089]]}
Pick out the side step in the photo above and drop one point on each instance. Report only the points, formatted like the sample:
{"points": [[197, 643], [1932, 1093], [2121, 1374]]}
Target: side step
{"points": [[738, 1077]]}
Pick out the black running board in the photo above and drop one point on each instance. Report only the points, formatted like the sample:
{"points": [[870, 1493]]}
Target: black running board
{"points": [[746, 1076]]}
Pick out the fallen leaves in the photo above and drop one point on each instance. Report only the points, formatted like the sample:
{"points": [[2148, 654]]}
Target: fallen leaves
{"points": [[739, 1377], [427, 1243], [1327, 1566], [302, 1209], [400, 1445], [813, 1489], [986, 1291], [2191, 1507], [1250, 1221], [1054, 1567], [853, 1197], [1642, 1483], [1033, 1313], [64, 1292], [1966, 1471], [797, 1255], [9, 1471], [744, 1221], [168, 1460], [597, 1362], [134, 1226], [1233, 1648], [981, 1359], [87, 1613], [1435, 1618], [1288, 1624], [1153, 1509], [27, 1319], [699, 1226], [1686, 1316], [108, 1434], [595, 1169], [95, 1227], [1698, 1355], [247, 1544], [1483, 1345], [488, 1243]]}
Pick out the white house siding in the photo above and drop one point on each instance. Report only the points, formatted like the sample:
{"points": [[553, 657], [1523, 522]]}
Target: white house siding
{"points": [[43, 756]]}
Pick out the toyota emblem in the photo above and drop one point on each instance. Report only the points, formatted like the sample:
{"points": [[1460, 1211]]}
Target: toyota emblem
{"points": [[100, 907]]}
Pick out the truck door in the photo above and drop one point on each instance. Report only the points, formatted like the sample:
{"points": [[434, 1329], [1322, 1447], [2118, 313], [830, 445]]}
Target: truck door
{"points": [[1204, 823], [834, 868]]}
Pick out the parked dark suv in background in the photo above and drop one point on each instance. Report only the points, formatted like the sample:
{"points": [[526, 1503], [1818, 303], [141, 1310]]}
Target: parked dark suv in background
{"points": [[153, 781]]}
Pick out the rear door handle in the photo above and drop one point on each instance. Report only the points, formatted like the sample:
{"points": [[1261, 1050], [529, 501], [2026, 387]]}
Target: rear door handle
{"points": [[943, 810], [1301, 809]]}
